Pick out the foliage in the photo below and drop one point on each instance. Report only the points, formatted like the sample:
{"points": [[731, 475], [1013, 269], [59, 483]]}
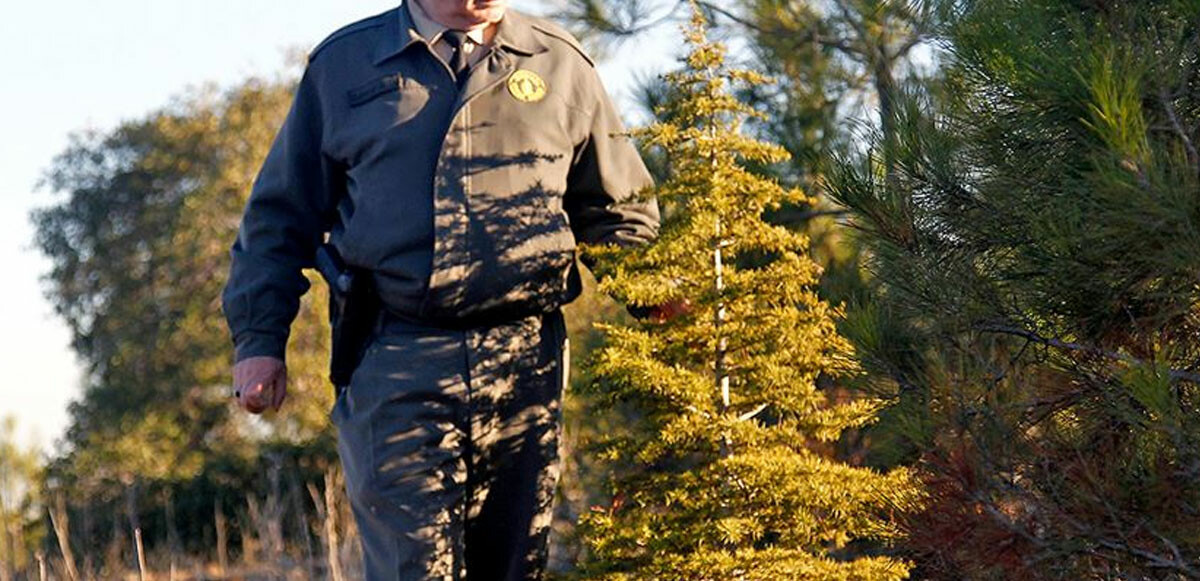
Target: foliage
{"points": [[721, 474], [139, 248], [836, 66], [581, 484], [138, 241], [20, 528], [829, 59], [1034, 241]]}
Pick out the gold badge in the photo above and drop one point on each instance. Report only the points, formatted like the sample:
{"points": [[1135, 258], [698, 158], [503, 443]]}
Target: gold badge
{"points": [[526, 86]]}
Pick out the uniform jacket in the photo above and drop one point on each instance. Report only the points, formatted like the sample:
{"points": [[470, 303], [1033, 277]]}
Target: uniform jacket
{"points": [[463, 204]]}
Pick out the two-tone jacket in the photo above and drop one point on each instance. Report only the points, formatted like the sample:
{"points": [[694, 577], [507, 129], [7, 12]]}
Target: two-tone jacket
{"points": [[461, 204]]}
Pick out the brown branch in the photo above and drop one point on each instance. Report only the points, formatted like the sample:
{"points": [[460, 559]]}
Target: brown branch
{"points": [[620, 30], [812, 35], [1174, 374], [913, 41], [1169, 108], [1155, 560], [731, 16], [635, 29], [60, 520], [818, 213]]}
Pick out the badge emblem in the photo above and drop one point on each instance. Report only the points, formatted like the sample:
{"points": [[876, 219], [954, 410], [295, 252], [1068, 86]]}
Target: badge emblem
{"points": [[526, 86]]}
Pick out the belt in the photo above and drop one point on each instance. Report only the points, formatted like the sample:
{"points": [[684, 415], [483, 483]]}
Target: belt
{"points": [[391, 321]]}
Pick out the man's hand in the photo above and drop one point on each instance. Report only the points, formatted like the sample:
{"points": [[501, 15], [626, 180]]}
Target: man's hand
{"points": [[259, 383]]}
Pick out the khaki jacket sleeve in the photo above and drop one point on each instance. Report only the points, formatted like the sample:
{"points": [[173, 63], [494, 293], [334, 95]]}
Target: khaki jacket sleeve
{"points": [[290, 208], [606, 174]]}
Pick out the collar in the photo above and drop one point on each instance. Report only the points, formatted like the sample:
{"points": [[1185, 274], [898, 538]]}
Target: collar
{"points": [[431, 30], [400, 31], [514, 32]]}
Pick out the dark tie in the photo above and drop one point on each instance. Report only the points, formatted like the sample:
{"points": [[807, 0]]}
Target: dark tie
{"points": [[457, 39]]}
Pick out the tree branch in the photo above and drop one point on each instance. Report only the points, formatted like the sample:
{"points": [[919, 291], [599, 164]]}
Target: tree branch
{"points": [[754, 412], [818, 213], [1169, 108], [1174, 374], [1154, 560], [812, 36]]}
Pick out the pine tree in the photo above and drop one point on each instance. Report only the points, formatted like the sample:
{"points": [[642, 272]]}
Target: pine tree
{"points": [[722, 476], [1035, 249]]}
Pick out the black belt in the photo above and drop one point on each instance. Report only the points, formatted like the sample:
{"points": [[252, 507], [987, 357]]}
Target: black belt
{"points": [[391, 320]]}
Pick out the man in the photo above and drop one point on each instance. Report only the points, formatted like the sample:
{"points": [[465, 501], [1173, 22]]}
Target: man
{"points": [[455, 152]]}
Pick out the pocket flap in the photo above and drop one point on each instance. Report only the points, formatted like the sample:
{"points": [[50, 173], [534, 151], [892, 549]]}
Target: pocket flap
{"points": [[372, 89]]}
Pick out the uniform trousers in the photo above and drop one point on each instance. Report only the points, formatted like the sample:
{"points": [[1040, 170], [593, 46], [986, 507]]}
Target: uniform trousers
{"points": [[449, 441]]}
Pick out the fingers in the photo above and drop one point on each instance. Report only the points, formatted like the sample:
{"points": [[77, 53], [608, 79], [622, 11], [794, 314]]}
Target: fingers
{"points": [[254, 398], [260, 383]]}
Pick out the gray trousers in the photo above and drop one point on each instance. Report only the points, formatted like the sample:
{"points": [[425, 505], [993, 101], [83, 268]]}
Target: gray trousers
{"points": [[449, 440]]}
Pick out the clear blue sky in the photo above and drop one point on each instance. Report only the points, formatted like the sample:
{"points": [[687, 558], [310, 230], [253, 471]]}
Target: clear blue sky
{"points": [[70, 65]]}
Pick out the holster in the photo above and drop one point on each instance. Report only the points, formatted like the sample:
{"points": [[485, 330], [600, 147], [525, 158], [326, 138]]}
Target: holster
{"points": [[354, 307]]}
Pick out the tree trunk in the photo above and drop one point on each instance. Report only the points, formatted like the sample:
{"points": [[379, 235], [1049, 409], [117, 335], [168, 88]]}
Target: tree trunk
{"points": [[131, 509], [173, 543], [172, 529], [300, 513], [722, 374], [135, 525], [62, 529], [274, 513], [113, 557], [8, 563], [8, 559], [141, 553], [268, 516], [719, 364], [327, 512], [249, 546], [222, 538], [885, 88], [17, 549], [89, 525]]}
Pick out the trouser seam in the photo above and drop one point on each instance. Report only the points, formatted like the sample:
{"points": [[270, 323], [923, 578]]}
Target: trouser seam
{"points": [[469, 483]]}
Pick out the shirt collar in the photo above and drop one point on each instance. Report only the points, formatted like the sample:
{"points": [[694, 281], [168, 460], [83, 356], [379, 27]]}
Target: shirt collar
{"points": [[431, 30], [400, 31]]}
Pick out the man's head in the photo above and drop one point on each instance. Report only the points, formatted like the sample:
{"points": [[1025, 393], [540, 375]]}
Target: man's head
{"points": [[465, 14]]}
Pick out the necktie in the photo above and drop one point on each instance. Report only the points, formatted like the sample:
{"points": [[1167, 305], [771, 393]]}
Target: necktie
{"points": [[457, 39]]}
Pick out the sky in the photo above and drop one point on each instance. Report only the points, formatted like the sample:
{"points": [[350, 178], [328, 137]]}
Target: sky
{"points": [[75, 65]]}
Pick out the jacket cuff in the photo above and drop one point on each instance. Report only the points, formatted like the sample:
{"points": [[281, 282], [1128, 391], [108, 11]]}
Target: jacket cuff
{"points": [[256, 344]]}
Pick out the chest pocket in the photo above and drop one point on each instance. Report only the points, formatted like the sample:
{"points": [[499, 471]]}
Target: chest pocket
{"points": [[398, 98]]}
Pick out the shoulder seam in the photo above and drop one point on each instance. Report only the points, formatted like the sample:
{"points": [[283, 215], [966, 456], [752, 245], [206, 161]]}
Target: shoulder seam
{"points": [[367, 23], [542, 27]]}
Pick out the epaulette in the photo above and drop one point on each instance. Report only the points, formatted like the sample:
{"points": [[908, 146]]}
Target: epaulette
{"points": [[555, 30], [347, 30]]}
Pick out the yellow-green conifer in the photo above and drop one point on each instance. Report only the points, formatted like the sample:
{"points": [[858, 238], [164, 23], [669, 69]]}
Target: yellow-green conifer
{"points": [[724, 473]]}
